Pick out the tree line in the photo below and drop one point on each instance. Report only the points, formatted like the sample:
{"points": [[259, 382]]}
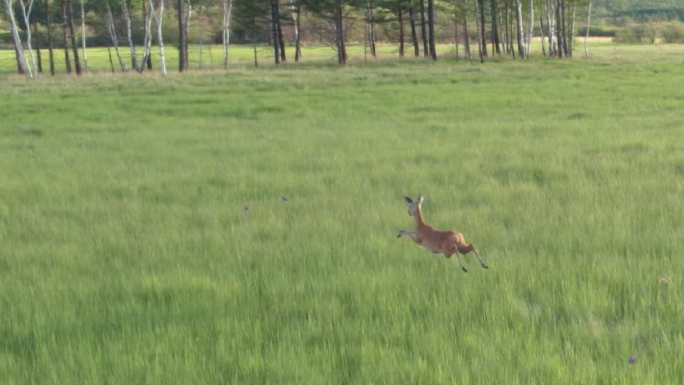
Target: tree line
{"points": [[485, 28]]}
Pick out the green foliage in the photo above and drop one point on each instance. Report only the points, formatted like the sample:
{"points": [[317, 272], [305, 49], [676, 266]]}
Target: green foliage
{"points": [[673, 32], [666, 32], [632, 34], [6, 38], [650, 15], [128, 256], [598, 31], [251, 20]]}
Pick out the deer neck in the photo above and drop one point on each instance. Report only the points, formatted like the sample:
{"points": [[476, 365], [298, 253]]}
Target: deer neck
{"points": [[419, 218]]}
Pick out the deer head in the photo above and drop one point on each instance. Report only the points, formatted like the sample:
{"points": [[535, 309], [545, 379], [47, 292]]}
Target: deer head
{"points": [[414, 207]]}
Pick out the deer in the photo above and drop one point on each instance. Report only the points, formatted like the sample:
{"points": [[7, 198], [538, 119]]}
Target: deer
{"points": [[446, 243]]}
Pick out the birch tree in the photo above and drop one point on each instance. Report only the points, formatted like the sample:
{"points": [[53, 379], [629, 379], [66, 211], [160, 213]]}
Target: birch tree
{"points": [[274, 28], [186, 35], [400, 17], [558, 22], [495, 29], [83, 38], [147, 54], [414, 37], [586, 37], [519, 25], [339, 33], [563, 40], [371, 24], [126, 8], [426, 47], [570, 38], [281, 41], [466, 31], [112, 35], [225, 36], [541, 30], [505, 27], [158, 14], [182, 36], [549, 24], [201, 36], [530, 33], [479, 34], [38, 54], [64, 35], [295, 10], [483, 36], [431, 26], [72, 34], [505, 32], [26, 7], [49, 36], [22, 63], [147, 38]]}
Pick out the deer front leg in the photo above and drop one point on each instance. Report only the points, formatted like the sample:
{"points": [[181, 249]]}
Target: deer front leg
{"points": [[455, 251], [405, 232]]}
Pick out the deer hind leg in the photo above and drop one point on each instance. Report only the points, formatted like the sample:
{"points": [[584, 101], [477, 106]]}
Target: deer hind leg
{"points": [[470, 248]]}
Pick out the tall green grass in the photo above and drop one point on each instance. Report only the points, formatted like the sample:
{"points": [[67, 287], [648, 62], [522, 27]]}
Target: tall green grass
{"points": [[241, 227]]}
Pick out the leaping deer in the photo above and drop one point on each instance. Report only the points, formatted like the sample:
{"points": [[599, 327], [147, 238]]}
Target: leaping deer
{"points": [[447, 243]]}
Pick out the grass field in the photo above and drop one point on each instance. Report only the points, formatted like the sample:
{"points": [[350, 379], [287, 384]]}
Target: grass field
{"points": [[145, 239]]}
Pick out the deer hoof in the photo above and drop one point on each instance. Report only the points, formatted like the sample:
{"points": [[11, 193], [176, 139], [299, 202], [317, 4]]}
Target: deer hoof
{"points": [[485, 266], [464, 269]]}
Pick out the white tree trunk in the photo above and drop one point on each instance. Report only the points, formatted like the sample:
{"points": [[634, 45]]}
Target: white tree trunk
{"points": [[549, 26], [519, 27], [129, 34], [188, 16], [571, 43], [295, 19], [147, 40], [227, 10], [530, 35], [371, 35], [112, 34], [502, 32], [158, 18], [541, 31], [17, 41], [199, 25], [479, 34], [26, 12], [83, 38], [586, 50]]}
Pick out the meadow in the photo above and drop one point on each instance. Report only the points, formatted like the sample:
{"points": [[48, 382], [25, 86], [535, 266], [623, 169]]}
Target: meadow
{"points": [[240, 227]]}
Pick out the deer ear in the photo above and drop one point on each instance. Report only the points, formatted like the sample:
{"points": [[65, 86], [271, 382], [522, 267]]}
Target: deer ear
{"points": [[420, 198], [408, 200]]}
